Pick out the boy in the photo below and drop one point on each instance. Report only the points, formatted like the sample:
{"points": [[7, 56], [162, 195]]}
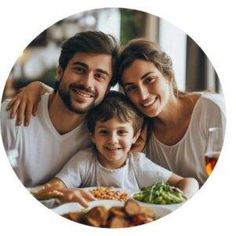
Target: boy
{"points": [[114, 126]]}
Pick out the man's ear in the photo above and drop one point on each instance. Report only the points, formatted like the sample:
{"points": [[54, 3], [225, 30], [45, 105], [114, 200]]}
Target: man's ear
{"points": [[108, 90], [59, 73]]}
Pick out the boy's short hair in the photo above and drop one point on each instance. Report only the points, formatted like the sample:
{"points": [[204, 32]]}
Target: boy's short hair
{"points": [[115, 105]]}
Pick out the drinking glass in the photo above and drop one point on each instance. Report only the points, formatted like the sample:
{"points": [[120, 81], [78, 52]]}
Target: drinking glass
{"points": [[213, 148]]}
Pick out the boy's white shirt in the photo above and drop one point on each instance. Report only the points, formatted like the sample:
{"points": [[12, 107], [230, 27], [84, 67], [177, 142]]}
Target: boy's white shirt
{"points": [[84, 170]]}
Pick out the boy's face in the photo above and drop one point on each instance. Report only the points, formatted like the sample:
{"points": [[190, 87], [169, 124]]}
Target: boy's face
{"points": [[113, 140], [85, 81]]}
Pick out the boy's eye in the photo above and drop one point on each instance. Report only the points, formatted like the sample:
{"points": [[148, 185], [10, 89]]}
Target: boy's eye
{"points": [[103, 132], [122, 132]]}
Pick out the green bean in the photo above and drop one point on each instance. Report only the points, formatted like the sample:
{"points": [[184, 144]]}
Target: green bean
{"points": [[160, 193]]}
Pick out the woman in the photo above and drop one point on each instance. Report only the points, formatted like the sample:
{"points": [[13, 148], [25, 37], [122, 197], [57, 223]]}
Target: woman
{"points": [[180, 120], [177, 135]]}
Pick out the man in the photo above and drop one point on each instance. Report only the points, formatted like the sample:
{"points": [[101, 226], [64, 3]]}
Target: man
{"points": [[58, 131]]}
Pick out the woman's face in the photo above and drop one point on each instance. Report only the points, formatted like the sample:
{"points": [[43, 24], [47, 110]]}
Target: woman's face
{"points": [[146, 87]]}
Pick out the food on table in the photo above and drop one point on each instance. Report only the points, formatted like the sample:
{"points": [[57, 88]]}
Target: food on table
{"points": [[131, 214], [160, 193], [97, 216], [109, 194], [75, 216]]}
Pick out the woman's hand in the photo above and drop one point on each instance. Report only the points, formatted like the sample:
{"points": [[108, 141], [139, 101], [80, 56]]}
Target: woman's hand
{"points": [[25, 103]]}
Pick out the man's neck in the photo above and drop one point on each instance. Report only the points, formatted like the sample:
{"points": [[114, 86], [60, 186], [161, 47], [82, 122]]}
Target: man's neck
{"points": [[61, 117]]}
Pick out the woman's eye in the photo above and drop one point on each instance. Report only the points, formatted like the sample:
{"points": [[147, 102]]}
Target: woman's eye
{"points": [[150, 80], [130, 89]]}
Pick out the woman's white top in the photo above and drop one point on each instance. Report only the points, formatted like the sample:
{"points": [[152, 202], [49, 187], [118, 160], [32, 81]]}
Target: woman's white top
{"points": [[186, 157]]}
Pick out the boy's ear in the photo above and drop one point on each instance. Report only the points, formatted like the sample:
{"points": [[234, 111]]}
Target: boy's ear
{"points": [[136, 136], [92, 138]]}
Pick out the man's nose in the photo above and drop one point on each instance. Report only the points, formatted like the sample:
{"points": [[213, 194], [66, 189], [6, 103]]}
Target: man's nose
{"points": [[88, 80]]}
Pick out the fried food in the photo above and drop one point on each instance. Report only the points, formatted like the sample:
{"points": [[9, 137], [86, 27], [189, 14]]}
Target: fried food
{"points": [[131, 214]]}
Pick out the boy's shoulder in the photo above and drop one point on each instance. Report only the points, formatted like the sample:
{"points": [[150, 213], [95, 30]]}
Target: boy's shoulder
{"points": [[137, 157]]}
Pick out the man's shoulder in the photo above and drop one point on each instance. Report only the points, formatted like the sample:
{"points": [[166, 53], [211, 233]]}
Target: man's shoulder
{"points": [[5, 114]]}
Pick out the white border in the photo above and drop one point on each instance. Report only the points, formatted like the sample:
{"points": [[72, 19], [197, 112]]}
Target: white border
{"points": [[211, 25]]}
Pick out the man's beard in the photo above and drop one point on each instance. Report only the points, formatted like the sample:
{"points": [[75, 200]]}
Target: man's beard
{"points": [[66, 98]]}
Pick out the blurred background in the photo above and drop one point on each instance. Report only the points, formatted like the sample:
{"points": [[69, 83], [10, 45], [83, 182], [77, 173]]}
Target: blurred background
{"points": [[39, 60]]}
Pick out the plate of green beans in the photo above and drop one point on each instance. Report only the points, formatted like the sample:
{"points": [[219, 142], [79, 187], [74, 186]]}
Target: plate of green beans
{"points": [[160, 194]]}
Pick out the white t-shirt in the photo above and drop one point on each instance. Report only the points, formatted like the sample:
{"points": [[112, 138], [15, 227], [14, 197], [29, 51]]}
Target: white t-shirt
{"points": [[186, 158], [42, 151], [84, 170]]}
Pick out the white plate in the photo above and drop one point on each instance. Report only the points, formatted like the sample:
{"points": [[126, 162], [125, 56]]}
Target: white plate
{"points": [[106, 203], [75, 207], [171, 207], [68, 208]]}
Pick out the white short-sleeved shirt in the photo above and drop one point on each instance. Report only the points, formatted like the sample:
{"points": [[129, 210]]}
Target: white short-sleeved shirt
{"points": [[84, 170], [186, 158], [42, 151]]}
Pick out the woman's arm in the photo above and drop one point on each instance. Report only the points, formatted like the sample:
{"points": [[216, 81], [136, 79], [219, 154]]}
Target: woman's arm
{"points": [[188, 185], [25, 103]]}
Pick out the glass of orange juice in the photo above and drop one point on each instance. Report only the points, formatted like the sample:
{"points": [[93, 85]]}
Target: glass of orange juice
{"points": [[213, 148]]}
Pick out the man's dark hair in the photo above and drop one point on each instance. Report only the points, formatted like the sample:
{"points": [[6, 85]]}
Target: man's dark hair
{"points": [[115, 105], [90, 42]]}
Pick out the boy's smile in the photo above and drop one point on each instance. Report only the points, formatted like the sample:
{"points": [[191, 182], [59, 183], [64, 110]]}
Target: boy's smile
{"points": [[113, 140]]}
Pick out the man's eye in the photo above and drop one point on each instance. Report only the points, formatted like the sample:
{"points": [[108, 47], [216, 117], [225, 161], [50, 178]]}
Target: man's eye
{"points": [[80, 70], [100, 77]]}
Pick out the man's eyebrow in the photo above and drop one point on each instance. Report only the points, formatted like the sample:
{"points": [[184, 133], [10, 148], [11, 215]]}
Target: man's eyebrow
{"points": [[103, 72], [80, 64], [86, 66]]}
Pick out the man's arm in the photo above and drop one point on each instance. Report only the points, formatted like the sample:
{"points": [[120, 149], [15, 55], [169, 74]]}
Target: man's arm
{"points": [[55, 188]]}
